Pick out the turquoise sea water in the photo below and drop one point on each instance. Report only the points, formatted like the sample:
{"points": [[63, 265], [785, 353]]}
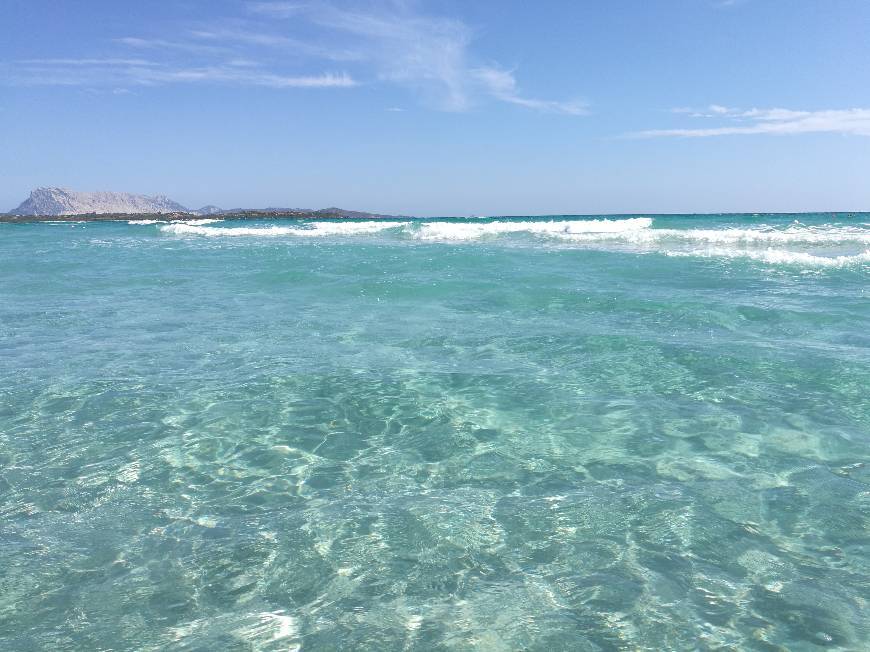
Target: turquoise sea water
{"points": [[644, 433]]}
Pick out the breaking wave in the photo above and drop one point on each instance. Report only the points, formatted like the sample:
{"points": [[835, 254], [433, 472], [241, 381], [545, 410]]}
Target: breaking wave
{"points": [[827, 245], [637, 231], [561, 229], [778, 256], [808, 235], [200, 222], [317, 229]]}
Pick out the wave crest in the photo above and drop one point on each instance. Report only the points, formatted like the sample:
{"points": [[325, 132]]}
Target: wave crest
{"points": [[827, 245], [318, 229], [555, 228], [778, 257]]}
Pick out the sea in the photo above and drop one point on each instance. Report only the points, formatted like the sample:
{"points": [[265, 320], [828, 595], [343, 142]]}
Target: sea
{"points": [[639, 432]]}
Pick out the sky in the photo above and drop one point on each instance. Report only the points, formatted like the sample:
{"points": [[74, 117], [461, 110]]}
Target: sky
{"points": [[442, 107]]}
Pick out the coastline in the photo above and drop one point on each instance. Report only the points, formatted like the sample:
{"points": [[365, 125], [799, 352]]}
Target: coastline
{"points": [[341, 214], [184, 217]]}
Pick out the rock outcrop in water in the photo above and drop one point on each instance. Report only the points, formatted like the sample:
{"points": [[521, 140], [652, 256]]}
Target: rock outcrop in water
{"points": [[61, 201]]}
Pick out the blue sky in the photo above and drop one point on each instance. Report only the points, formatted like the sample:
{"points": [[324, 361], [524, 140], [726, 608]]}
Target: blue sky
{"points": [[442, 107]]}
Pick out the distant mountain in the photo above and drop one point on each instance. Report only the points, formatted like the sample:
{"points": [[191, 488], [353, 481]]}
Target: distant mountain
{"points": [[209, 210], [60, 201]]}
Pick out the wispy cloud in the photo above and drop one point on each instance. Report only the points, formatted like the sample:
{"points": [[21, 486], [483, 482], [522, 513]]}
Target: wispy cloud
{"points": [[235, 74], [163, 44], [138, 72], [87, 63], [768, 121], [277, 43], [426, 53], [429, 54], [277, 9], [503, 85], [252, 37]]}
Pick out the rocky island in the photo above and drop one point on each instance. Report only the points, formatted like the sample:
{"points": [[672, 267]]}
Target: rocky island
{"points": [[61, 204]]}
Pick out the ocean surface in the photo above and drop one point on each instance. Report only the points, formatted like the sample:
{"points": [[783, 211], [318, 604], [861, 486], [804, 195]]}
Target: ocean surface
{"points": [[562, 433]]}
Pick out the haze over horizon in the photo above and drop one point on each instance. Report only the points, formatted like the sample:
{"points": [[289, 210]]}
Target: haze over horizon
{"points": [[440, 108]]}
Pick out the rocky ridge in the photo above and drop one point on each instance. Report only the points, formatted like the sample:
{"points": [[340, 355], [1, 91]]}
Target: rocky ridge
{"points": [[50, 202], [62, 201]]}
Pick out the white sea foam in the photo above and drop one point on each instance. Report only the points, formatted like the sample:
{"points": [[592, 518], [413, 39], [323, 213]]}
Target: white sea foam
{"points": [[637, 231], [426, 231], [795, 234], [778, 256], [201, 222], [817, 246], [205, 220], [631, 231], [553, 228], [192, 229], [827, 245], [317, 229], [349, 228]]}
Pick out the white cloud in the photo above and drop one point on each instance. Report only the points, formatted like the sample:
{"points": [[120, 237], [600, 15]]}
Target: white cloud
{"points": [[503, 85], [234, 74], [250, 37], [87, 63], [277, 9], [426, 53], [275, 44], [770, 121], [430, 54], [137, 72], [163, 44]]}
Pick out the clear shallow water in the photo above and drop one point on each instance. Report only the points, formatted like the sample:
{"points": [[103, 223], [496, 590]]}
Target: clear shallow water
{"points": [[448, 435]]}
